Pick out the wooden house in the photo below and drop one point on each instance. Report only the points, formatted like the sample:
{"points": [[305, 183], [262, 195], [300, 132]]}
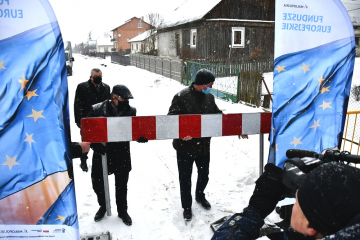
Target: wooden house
{"points": [[219, 29]]}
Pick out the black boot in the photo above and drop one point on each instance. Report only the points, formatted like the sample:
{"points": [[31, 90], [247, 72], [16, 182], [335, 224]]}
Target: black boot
{"points": [[204, 203], [83, 164], [187, 214], [125, 217], [100, 214]]}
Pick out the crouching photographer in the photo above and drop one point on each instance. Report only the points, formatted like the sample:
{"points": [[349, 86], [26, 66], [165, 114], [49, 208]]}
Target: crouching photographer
{"points": [[327, 201]]}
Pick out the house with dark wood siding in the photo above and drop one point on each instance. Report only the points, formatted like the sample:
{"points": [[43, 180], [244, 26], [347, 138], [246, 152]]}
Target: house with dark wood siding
{"points": [[219, 29]]}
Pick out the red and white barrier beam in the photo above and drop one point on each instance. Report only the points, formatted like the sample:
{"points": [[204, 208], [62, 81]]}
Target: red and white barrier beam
{"points": [[114, 129]]}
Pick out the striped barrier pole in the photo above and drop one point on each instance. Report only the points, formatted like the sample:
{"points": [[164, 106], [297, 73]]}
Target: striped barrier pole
{"points": [[116, 129]]}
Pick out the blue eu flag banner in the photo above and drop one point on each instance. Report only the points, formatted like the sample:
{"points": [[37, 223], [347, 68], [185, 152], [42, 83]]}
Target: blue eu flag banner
{"points": [[36, 186], [313, 67]]}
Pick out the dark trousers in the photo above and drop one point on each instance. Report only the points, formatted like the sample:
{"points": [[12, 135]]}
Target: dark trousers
{"points": [[121, 180], [185, 165]]}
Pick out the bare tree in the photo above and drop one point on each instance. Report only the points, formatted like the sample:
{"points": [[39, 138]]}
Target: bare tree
{"points": [[355, 90], [156, 21], [107, 35], [89, 35]]}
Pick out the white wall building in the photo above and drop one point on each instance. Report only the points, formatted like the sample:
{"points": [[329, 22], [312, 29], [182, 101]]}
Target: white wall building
{"points": [[137, 44], [104, 45]]}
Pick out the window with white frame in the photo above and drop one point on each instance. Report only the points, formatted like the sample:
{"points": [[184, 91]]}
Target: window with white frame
{"points": [[193, 38], [238, 37], [140, 25]]}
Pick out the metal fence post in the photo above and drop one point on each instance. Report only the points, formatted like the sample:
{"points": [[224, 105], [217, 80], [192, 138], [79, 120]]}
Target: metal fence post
{"points": [[106, 182], [261, 163]]}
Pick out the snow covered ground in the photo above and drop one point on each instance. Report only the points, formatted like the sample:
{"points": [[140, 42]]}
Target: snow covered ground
{"points": [[154, 194]]}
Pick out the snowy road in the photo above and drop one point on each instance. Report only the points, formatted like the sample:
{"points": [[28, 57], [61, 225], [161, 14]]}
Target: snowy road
{"points": [[154, 195]]}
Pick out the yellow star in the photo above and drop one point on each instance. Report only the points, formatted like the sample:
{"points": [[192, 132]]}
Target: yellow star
{"points": [[30, 94], [280, 69], [321, 80], [316, 125], [29, 138], [325, 89], [10, 162], [23, 82], [36, 114], [296, 141], [325, 105], [1, 65], [305, 67], [60, 218]]}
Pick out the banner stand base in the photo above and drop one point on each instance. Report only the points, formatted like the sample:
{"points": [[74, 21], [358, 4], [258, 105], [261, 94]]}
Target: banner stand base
{"points": [[94, 236]]}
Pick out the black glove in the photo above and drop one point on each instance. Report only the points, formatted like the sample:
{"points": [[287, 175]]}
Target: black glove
{"points": [[98, 147], [142, 140], [268, 190], [83, 164]]}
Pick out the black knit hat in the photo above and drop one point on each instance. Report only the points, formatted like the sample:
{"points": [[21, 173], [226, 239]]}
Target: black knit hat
{"points": [[122, 91], [204, 76], [330, 197]]}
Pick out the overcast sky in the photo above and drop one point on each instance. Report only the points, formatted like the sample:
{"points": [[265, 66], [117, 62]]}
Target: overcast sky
{"points": [[78, 17]]}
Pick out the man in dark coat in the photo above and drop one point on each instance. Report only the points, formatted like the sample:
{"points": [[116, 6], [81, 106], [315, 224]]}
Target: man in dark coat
{"points": [[118, 154], [194, 100], [87, 94]]}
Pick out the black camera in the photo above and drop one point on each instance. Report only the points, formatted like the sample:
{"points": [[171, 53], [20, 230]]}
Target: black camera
{"points": [[301, 162]]}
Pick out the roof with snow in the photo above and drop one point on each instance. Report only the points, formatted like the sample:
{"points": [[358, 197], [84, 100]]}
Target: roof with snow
{"points": [[353, 9], [141, 37], [104, 41], [129, 20], [190, 11]]}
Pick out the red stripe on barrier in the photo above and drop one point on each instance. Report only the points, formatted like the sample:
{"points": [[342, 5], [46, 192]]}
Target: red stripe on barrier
{"points": [[94, 129], [190, 125], [232, 124], [143, 127], [265, 125]]}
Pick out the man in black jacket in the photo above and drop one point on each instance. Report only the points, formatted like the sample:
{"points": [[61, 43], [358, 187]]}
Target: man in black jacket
{"points": [[327, 206], [118, 154], [87, 94], [194, 100]]}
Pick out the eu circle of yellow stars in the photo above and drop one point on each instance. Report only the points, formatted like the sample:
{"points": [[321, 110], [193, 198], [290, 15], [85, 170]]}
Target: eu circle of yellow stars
{"points": [[306, 68], [11, 161]]}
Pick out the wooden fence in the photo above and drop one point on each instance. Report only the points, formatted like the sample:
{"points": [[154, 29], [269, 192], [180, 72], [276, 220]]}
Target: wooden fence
{"points": [[168, 67]]}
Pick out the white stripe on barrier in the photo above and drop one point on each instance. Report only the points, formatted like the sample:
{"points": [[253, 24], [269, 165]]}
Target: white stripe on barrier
{"points": [[211, 125], [167, 127], [119, 129], [251, 123]]}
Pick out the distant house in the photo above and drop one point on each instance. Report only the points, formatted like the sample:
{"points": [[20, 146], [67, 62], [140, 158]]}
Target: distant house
{"points": [[219, 29], [104, 45], [130, 29], [353, 9], [140, 43]]}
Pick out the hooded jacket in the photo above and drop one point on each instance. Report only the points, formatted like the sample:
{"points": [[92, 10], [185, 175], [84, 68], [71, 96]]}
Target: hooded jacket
{"points": [[118, 153], [191, 101]]}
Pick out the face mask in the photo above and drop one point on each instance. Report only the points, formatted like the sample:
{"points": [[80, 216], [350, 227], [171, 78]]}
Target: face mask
{"points": [[97, 80], [207, 91], [122, 105]]}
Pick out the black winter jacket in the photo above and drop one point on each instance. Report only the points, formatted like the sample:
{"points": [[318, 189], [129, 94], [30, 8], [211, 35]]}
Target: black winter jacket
{"points": [[76, 150], [118, 153], [248, 228], [191, 101], [86, 95]]}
